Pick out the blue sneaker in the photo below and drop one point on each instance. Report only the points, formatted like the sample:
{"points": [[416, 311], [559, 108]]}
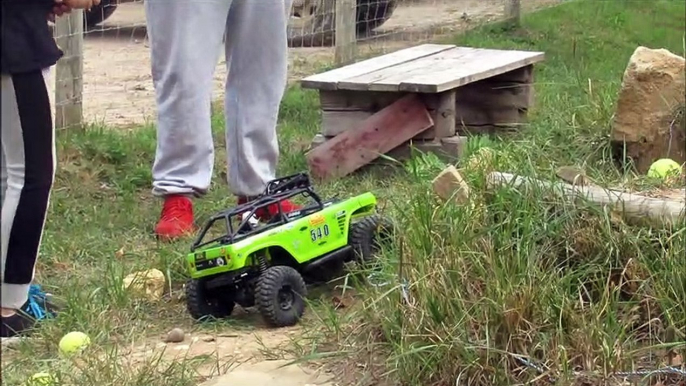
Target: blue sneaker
{"points": [[36, 308]]}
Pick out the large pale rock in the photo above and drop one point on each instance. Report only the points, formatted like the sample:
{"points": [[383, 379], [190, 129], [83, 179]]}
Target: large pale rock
{"points": [[652, 92], [148, 284]]}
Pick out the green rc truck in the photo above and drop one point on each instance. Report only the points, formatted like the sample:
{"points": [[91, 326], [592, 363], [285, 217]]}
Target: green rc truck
{"points": [[268, 264]]}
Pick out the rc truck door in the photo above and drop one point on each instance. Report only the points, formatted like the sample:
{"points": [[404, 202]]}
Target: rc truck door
{"points": [[319, 234]]}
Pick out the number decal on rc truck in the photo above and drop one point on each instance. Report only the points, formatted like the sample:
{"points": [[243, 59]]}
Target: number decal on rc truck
{"points": [[319, 232]]}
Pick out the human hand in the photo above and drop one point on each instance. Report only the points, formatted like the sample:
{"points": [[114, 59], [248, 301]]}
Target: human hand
{"points": [[58, 9], [80, 4]]}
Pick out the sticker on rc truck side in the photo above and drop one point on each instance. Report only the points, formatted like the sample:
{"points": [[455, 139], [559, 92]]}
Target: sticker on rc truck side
{"points": [[317, 219]]}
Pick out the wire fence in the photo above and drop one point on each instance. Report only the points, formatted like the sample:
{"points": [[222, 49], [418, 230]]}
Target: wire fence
{"points": [[104, 76]]}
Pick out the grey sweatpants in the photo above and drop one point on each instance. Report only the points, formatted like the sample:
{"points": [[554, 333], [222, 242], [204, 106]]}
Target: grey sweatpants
{"points": [[185, 40], [28, 171]]}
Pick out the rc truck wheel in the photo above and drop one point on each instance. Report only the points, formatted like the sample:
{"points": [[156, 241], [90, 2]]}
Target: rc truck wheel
{"points": [[280, 296], [99, 13], [202, 305], [368, 235]]}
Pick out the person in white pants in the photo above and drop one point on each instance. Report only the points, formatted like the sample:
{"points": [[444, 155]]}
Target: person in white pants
{"points": [[185, 39]]}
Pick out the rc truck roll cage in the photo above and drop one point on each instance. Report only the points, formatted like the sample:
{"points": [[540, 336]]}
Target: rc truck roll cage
{"points": [[276, 191]]}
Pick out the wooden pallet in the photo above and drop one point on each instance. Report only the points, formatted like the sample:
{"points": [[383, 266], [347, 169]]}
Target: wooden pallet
{"points": [[430, 95]]}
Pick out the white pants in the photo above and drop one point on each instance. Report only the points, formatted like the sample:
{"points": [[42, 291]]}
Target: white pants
{"points": [[28, 171], [185, 39]]}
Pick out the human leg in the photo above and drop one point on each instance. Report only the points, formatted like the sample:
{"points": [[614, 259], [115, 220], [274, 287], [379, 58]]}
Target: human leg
{"points": [[185, 39], [28, 169], [257, 55]]}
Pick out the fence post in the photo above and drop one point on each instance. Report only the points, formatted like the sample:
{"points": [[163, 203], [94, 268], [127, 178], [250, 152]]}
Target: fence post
{"points": [[69, 70], [513, 11], [346, 31]]}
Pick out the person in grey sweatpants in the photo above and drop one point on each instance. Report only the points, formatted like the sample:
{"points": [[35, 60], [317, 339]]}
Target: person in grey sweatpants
{"points": [[185, 40]]}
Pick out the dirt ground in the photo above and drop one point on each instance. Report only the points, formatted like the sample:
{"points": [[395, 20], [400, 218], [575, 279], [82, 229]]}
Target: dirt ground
{"points": [[118, 88], [118, 92], [237, 357]]}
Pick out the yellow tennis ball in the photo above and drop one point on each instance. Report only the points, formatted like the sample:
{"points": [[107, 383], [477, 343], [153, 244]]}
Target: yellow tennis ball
{"points": [[663, 168], [41, 379], [73, 342]]}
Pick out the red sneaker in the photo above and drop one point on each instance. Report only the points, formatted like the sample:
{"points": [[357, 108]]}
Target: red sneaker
{"points": [[176, 219], [272, 210]]}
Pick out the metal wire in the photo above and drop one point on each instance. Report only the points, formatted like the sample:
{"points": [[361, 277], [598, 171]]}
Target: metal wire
{"points": [[667, 370]]}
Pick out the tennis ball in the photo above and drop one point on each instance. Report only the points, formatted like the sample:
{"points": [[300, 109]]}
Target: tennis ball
{"points": [[73, 342], [41, 379], [663, 168]]}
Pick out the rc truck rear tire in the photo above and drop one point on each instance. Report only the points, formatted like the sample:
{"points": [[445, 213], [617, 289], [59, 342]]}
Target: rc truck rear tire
{"points": [[202, 305], [368, 235], [280, 296]]}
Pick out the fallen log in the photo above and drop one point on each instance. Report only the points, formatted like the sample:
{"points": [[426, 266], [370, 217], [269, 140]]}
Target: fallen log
{"points": [[634, 207]]}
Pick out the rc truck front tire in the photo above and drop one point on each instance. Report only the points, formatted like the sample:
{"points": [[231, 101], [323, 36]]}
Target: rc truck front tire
{"points": [[280, 296], [201, 304], [368, 236]]}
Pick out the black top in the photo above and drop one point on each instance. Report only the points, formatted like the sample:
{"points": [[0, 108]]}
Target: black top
{"points": [[27, 43]]}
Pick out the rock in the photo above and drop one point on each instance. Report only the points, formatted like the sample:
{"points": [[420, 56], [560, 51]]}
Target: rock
{"points": [[10, 343], [651, 96], [148, 284], [449, 184], [573, 175], [176, 335], [318, 140], [483, 160]]}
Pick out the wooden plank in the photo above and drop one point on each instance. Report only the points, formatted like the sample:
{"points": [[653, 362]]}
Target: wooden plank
{"points": [[344, 100], [634, 207], [495, 95], [346, 34], [498, 130], [336, 122], [379, 80], [406, 150], [68, 34], [442, 109], [470, 115], [377, 135], [442, 71], [448, 149], [455, 146], [521, 75], [329, 80], [449, 77]]}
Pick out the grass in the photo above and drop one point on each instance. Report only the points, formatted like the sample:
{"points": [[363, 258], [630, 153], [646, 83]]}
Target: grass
{"points": [[568, 286]]}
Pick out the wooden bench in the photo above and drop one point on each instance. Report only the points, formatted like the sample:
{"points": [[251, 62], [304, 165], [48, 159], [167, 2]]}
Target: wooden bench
{"points": [[428, 96]]}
